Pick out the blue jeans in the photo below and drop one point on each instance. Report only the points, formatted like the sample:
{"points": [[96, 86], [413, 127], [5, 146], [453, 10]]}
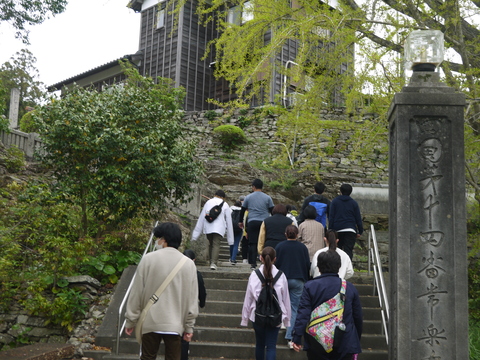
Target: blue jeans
{"points": [[234, 247], [265, 337], [295, 288]]}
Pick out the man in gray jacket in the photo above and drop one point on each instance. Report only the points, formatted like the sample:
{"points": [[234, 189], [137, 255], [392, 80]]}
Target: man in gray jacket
{"points": [[173, 314]]}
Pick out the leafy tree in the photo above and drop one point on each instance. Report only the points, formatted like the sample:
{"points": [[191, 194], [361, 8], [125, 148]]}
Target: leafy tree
{"points": [[3, 95], [4, 122], [20, 72], [325, 34], [20, 13], [119, 151]]}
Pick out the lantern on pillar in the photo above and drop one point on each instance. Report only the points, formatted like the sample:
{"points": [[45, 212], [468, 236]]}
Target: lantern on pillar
{"points": [[424, 50]]}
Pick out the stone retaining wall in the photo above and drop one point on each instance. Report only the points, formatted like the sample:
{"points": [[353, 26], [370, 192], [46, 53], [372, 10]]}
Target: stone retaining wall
{"points": [[335, 148], [17, 327]]}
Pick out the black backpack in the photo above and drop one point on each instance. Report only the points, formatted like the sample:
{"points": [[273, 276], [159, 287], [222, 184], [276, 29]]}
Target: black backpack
{"points": [[235, 221], [268, 311], [213, 213]]}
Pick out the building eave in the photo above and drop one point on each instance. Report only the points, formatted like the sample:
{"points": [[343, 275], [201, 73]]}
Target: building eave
{"points": [[135, 5], [98, 69]]}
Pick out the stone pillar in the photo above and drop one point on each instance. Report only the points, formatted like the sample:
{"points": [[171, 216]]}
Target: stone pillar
{"points": [[14, 103], [428, 253]]}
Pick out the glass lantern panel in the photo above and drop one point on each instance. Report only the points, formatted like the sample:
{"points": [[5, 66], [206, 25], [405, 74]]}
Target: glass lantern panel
{"points": [[424, 47]]}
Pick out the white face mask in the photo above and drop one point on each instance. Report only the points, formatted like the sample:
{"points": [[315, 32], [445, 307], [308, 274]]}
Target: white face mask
{"points": [[158, 246]]}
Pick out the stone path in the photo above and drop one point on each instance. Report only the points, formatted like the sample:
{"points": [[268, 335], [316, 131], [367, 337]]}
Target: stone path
{"points": [[39, 351]]}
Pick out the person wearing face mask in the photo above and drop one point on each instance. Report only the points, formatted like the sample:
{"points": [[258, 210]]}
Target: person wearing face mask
{"points": [[159, 244], [172, 315]]}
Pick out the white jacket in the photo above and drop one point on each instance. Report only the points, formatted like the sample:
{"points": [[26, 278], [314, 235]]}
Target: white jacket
{"points": [[346, 269], [221, 225]]}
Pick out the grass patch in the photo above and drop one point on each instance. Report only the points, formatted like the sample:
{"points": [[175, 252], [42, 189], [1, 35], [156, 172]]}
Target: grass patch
{"points": [[474, 339]]}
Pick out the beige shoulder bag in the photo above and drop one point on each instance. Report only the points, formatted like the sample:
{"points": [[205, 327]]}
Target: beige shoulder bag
{"points": [[154, 298]]}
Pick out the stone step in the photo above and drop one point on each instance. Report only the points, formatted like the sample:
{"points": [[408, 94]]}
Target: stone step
{"points": [[218, 320], [242, 272], [225, 284], [246, 335], [235, 307], [242, 335], [223, 350], [239, 296], [369, 354], [233, 350], [225, 295], [372, 327], [227, 321], [377, 342], [39, 351]]}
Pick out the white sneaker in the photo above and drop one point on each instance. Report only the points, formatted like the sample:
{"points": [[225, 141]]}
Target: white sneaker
{"points": [[245, 261], [290, 345], [213, 267]]}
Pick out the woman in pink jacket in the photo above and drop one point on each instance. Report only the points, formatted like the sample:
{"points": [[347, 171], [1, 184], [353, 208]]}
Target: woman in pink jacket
{"points": [[266, 336]]}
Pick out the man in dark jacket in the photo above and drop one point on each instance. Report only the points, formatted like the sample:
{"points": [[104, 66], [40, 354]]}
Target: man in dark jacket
{"points": [[345, 219], [317, 197]]}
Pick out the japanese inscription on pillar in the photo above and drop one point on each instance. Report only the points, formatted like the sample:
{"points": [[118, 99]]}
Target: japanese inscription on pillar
{"points": [[431, 236]]}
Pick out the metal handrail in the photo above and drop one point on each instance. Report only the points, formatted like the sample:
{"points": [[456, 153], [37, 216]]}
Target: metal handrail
{"points": [[120, 309], [379, 284]]}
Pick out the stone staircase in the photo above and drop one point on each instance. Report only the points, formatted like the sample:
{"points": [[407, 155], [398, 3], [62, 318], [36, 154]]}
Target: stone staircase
{"points": [[218, 334]]}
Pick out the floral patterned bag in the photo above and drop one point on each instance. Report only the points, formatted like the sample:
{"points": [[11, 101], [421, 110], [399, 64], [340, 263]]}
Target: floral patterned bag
{"points": [[326, 317]]}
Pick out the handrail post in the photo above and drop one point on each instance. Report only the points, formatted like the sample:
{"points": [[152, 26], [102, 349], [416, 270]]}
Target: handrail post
{"points": [[368, 252], [120, 309], [379, 283]]}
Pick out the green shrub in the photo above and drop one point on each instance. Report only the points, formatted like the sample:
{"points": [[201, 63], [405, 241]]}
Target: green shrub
{"points": [[4, 122], [210, 114], [229, 136], [67, 307], [14, 159], [106, 268], [40, 245], [275, 185], [474, 339], [27, 124], [244, 121], [474, 289]]}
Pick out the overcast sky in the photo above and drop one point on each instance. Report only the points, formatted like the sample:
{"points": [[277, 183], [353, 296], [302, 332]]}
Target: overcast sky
{"points": [[88, 34]]}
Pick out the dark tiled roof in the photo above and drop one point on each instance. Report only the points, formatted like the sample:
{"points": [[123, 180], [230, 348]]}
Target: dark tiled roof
{"points": [[93, 71], [136, 5]]}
